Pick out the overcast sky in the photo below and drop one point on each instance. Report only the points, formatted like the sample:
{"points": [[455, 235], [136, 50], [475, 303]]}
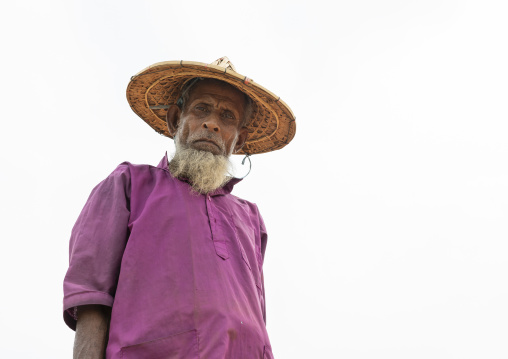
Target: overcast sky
{"points": [[387, 214]]}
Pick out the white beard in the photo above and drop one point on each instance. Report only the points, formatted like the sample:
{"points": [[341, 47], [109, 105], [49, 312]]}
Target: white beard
{"points": [[205, 171]]}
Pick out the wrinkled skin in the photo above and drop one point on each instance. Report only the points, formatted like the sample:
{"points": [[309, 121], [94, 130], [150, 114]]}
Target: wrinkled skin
{"points": [[211, 120]]}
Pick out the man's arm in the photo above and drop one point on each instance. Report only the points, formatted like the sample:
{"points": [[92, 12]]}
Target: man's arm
{"points": [[91, 332]]}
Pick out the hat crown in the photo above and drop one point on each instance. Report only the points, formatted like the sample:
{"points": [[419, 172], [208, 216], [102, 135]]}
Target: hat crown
{"points": [[225, 63]]}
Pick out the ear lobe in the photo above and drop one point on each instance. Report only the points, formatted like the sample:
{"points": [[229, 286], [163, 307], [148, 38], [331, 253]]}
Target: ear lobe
{"points": [[242, 138], [173, 119]]}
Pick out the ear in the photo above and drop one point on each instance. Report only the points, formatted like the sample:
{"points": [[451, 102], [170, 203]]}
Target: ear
{"points": [[242, 137], [173, 119]]}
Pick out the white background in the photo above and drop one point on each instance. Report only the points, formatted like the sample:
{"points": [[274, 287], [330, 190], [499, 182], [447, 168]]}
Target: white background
{"points": [[386, 214]]}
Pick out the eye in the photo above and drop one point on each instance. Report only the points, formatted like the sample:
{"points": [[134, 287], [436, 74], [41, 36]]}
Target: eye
{"points": [[228, 115], [200, 108]]}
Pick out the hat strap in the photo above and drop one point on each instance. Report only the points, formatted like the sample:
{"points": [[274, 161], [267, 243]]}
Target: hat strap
{"points": [[247, 156]]}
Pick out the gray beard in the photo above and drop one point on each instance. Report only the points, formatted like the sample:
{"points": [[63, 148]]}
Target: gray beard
{"points": [[205, 171]]}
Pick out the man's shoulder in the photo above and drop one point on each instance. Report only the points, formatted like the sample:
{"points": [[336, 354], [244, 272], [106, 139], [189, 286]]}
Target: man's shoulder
{"points": [[129, 167], [241, 200], [251, 206], [248, 212], [127, 173]]}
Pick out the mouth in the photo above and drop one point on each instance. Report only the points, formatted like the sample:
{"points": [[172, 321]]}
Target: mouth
{"points": [[204, 140]]}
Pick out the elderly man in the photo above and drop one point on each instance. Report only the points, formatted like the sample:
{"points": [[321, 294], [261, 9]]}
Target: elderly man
{"points": [[164, 261]]}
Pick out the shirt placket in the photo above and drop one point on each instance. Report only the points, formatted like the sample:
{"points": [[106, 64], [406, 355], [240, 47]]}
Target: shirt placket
{"points": [[218, 237]]}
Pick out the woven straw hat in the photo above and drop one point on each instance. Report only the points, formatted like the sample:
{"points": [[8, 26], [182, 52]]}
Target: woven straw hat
{"points": [[153, 90]]}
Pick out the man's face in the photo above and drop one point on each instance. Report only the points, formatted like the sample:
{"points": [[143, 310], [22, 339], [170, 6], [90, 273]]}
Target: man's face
{"points": [[212, 117]]}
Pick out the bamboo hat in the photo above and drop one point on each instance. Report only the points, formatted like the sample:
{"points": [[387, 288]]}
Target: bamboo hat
{"points": [[153, 90]]}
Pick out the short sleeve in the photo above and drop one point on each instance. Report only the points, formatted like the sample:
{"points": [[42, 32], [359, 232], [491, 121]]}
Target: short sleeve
{"points": [[97, 244]]}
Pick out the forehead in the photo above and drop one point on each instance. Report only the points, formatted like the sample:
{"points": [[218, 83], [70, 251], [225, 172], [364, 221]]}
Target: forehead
{"points": [[218, 90]]}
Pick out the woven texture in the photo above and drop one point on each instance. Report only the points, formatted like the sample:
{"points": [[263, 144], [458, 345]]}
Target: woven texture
{"points": [[154, 89]]}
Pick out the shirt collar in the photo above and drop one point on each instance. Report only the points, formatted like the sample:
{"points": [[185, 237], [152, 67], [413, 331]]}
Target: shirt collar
{"points": [[163, 164], [226, 189]]}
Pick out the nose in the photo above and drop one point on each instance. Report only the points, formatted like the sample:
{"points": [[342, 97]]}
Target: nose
{"points": [[211, 124]]}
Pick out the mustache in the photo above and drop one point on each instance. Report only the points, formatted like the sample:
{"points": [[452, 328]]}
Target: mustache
{"points": [[209, 136]]}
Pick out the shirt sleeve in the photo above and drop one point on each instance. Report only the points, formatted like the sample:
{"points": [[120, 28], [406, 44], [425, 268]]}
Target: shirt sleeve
{"points": [[97, 244]]}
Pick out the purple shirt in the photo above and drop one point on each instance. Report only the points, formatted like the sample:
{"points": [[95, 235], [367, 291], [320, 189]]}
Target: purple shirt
{"points": [[182, 272]]}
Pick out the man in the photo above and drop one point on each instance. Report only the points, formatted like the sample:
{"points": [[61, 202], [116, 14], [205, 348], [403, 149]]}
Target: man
{"points": [[164, 261]]}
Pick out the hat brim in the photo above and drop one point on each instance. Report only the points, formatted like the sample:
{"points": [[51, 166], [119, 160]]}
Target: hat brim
{"points": [[153, 90]]}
